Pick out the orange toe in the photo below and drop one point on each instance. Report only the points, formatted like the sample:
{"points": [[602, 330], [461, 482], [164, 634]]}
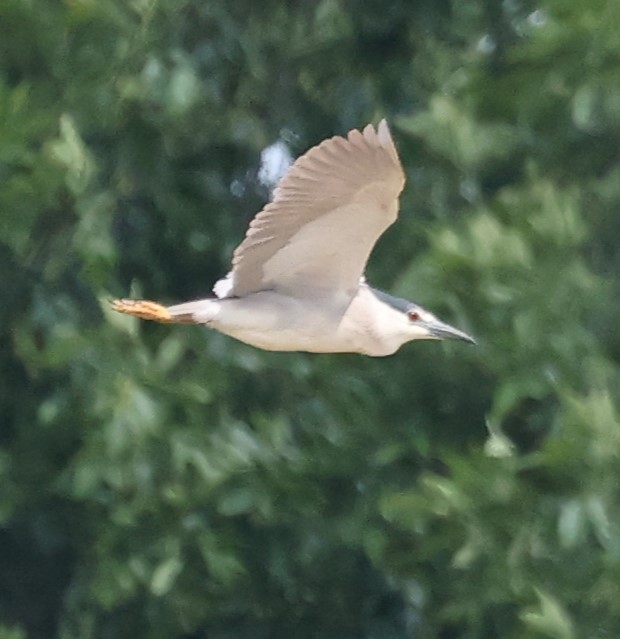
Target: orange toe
{"points": [[142, 309]]}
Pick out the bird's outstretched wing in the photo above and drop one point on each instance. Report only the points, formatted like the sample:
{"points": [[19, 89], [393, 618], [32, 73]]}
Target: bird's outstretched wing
{"points": [[328, 211]]}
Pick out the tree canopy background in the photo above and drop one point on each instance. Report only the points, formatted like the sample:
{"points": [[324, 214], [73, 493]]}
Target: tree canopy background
{"points": [[169, 482]]}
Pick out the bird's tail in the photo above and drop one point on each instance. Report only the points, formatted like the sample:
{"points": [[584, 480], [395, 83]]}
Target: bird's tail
{"points": [[198, 312]]}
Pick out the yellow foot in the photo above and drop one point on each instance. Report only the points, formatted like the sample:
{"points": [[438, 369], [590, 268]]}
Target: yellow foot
{"points": [[143, 309]]}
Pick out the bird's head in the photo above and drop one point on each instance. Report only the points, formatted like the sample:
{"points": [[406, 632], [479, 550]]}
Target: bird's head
{"points": [[409, 321], [422, 324]]}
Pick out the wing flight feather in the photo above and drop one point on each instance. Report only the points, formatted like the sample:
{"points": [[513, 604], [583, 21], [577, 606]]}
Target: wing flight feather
{"points": [[315, 236]]}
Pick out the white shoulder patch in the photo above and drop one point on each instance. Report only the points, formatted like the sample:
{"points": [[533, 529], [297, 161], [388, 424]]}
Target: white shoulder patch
{"points": [[223, 287]]}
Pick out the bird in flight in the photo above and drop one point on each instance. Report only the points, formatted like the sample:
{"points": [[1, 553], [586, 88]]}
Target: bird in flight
{"points": [[297, 279]]}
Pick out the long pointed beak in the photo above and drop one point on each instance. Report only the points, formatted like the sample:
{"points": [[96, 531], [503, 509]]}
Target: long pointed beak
{"points": [[441, 330]]}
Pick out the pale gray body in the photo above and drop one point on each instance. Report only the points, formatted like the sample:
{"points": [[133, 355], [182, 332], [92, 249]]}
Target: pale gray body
{"points": [[297, 282], [277, 322]]}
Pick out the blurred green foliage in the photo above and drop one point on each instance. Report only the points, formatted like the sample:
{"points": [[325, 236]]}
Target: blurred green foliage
{"points": [[172, 483]]}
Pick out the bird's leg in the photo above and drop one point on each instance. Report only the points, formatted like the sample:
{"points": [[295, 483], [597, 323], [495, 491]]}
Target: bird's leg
{"points": [[143, 309], [196, 312]]}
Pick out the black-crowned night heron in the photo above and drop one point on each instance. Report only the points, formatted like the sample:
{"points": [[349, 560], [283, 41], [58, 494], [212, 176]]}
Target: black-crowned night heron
{"points": [[297, 279]]}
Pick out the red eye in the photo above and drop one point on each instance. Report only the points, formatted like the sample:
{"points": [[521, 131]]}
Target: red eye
{"points": [[413, 316]]}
